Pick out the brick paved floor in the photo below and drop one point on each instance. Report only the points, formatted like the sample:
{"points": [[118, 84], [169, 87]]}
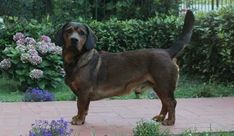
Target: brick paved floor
{"points": [[118, 117]]}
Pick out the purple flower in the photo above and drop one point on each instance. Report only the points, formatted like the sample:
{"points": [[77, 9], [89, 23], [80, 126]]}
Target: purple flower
{"points": [[35, 59], [32, 52], [5, 64], [20, 41], [36, 74], [45, 38], [54, 128], [55, 49], [42, 47], [30, 40], [38, 95], [18, 36]]}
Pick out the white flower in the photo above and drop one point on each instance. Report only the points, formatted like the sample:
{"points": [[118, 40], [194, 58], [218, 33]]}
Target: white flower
{"points": [[5, 64], [30, 46], [25, 57], [20, 48]]}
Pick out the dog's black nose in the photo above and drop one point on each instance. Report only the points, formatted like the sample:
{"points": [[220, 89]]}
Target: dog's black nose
{"points": [[74, 41]]}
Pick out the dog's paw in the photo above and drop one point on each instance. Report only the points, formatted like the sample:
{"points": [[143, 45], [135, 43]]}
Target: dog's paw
{"points": [[77, 120], [159, 118], [168, 122]]}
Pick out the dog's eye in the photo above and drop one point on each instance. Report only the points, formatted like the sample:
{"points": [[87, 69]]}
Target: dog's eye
{"points": [[81, 33], [69, 31]]}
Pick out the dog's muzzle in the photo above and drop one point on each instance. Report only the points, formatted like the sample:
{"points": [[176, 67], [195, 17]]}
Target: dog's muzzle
{"points": [[74, 42], [74, 39]]}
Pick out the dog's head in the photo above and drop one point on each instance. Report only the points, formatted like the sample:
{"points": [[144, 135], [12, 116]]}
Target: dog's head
{"points": [[75, 38]]}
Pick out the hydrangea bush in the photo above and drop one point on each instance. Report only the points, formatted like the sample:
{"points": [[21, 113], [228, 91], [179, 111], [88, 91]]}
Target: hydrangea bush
{"points": [[33, 63], [37, 95], [54, 128]]}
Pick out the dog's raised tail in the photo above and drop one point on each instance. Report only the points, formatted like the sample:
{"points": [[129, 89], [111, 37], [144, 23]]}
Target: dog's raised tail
{"points": [[185, 37]]}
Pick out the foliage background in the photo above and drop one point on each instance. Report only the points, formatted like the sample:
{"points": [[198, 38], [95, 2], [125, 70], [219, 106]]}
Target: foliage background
{"points": [[58, 10], [211, 53], [129, 25]]}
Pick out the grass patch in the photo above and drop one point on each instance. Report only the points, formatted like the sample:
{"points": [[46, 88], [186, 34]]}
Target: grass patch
{"points": [[151, 128], [188, 87], [192, 87], [191, 133], [63, 93], [9, 91]]}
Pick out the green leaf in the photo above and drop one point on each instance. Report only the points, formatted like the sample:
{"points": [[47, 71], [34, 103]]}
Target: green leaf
{"points": [[42, 84]]}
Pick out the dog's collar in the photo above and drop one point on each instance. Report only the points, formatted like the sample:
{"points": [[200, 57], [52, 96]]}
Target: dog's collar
{"points": [[86, 57]]}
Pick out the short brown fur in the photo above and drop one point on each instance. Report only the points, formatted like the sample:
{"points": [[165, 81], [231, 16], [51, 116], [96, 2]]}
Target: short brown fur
{"points": [[93, 76]]}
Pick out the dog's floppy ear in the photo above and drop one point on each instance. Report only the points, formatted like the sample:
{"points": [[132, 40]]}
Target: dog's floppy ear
{"points": [[59, 35], [91, 39]]}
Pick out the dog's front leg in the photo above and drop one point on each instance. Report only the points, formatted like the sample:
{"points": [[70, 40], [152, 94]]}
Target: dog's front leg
{"points": [[83, 106]]}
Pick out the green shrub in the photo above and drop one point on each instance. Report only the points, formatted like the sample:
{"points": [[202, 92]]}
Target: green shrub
{"points": [[211, 53], [117, 36], [148, 128], [60, 10], [32, 63]]}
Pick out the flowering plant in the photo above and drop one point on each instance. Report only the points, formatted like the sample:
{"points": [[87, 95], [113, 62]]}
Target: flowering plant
{"points": [[54, 128], [37, 95], [33, 63]]}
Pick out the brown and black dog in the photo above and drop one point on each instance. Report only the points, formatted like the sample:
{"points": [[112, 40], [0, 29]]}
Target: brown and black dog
{"points": [[93, 76]]}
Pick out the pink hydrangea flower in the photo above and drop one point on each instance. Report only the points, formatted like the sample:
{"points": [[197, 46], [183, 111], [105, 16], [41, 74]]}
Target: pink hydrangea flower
{"points": [[36, 74], [18, 36], [35, 59], [30, 41], [32, 52], [55, 49], [42, 47], [20, 41], [45, 38]]}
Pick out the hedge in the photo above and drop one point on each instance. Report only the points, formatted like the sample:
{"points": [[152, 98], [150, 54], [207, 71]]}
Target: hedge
{"points": [[210, 54], [117, 36]]}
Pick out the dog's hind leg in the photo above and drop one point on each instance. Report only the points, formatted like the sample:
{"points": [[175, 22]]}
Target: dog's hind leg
{"points": [[164, 85], [168, 107], [163, 112], [171, 104]]}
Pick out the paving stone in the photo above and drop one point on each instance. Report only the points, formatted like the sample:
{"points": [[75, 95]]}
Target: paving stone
{"points": [[119, 117]]}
